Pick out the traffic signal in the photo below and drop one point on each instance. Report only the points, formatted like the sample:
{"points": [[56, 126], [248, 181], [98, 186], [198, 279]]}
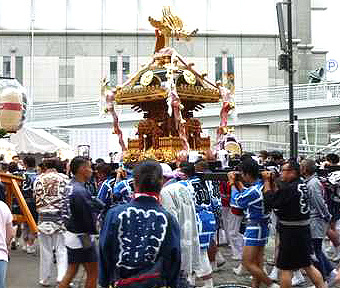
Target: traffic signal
{"points": [[283, 62]]}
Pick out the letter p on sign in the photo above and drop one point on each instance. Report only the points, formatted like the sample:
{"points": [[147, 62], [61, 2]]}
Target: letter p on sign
{"points": [[332, 65]]}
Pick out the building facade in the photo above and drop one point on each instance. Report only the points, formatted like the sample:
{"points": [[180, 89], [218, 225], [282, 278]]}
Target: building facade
{"points": [[62, 60]]}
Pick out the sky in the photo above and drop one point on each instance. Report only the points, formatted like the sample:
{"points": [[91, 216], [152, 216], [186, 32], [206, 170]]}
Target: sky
{"points": [[230, 16]]}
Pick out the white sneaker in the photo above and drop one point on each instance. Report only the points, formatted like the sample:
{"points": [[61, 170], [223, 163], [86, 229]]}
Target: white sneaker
{"points": [[274, 274], [44, 284], [24, 247], [239, 270], [298, 278], [31, 249]]}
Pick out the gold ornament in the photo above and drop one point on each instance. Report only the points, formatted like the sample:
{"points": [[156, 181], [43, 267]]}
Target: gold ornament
{"points": [[231, 130], [189, 77], [146, 78], [233, 148], [223, 130], [170, 26]]}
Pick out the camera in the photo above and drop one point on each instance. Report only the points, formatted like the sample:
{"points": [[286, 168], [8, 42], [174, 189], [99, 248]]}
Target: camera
{"points": [[273, 169], [216, 172]]}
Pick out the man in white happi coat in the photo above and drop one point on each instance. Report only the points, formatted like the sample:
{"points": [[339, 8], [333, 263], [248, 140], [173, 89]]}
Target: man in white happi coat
{"points": [[177, 200]]}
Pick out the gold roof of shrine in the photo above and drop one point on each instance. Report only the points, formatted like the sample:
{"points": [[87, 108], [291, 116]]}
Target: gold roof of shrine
{"points": [[150, 84], [166, 69]]}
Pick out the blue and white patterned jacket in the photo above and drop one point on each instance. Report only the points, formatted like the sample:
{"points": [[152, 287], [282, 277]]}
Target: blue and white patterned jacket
{"points": [[133, 238], [251, 200]]}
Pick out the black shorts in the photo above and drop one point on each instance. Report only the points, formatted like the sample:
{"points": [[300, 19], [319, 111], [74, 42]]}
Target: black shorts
{"points": [[33, 209], [334, 209], [82, 255], [295, 247]]}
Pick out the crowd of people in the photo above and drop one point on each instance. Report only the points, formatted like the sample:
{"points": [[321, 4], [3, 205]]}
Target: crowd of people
{"points": [[152, 224]]}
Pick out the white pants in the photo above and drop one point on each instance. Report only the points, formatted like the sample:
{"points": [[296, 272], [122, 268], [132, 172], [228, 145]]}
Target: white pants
{"points": [[205, 268], [235, 237], [225, 224], [47, 243]]}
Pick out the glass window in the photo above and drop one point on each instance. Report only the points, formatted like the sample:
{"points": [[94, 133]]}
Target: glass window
{"points": [[230, 64], [66, 93], [19, 68], [113, 71], [218, 68], [6, 64], [66, 71], [126, 67], [229, 76]]}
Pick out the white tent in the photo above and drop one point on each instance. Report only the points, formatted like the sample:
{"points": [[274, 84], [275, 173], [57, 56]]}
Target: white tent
{"points": [[29, 140]]}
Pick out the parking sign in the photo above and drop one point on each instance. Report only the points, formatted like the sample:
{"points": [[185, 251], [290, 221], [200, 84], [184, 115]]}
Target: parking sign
{"points": [[332, 65]]}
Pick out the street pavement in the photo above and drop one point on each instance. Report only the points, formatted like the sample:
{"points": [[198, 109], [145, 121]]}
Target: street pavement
{"points": [[23, 270]]}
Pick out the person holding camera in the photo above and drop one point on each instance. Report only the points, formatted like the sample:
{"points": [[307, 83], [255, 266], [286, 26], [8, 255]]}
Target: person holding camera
{"points": [[289, 198], [247, 188]]}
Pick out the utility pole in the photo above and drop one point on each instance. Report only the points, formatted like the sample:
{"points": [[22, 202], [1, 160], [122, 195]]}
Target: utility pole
{"points": [[31, 91], [286, 63], [293, 148]]}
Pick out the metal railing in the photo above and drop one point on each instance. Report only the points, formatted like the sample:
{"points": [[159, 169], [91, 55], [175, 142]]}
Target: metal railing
{"points": [[248, 96], [256, 146], [279, 94], [63, 110]]}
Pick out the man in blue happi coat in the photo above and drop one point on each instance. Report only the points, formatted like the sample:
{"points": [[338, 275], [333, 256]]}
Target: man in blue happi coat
{"points": [[140, 240]]}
